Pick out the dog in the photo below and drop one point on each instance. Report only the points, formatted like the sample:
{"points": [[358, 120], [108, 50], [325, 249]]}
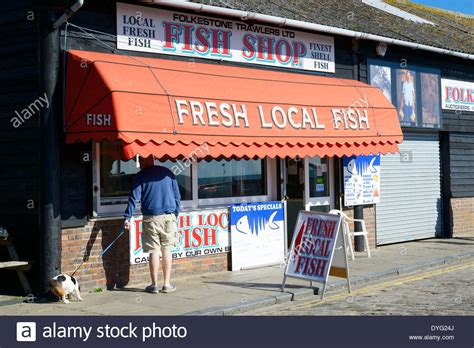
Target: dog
{"points": [[64, 286], [3, 233]]}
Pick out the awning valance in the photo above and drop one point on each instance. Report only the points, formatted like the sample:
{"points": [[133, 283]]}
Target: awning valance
{"points": [[178, 109]]}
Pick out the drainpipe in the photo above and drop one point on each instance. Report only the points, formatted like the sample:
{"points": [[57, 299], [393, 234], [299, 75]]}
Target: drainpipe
{"points": [[358, 209], [51, 131], [278, 21]]}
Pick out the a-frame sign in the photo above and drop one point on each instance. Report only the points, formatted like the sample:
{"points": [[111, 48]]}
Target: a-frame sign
{"points": [[318, 249]]}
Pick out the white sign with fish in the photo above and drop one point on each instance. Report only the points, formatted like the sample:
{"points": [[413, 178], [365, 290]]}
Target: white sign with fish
{"points": [[361, 180], [257, 234]]}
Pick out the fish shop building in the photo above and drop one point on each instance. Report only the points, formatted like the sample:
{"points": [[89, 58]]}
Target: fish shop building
{"points": [[257, 117]]}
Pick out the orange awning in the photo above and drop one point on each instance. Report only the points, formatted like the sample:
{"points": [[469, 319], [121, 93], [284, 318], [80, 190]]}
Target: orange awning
{"points": [[178, 109]]}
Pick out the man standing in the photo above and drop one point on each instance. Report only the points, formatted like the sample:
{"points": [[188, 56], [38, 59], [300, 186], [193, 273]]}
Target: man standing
{"points": [[157, 190], [408, 99]]}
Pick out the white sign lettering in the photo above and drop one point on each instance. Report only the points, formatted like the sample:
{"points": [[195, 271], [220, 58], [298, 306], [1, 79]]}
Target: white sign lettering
{"points": [[168, 32], [98, 120]]}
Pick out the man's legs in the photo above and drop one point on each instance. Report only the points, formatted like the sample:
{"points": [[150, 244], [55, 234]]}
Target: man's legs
{"points": [[154, 267], [167, 262], [407, 110], [151, 245], [166, 265]]}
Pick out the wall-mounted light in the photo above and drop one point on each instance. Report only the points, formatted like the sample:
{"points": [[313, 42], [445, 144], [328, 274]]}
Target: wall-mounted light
{"points": [[381, 49]]}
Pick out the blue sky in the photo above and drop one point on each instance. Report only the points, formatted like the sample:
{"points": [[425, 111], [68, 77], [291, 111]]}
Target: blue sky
{"points": [[464, 6]]}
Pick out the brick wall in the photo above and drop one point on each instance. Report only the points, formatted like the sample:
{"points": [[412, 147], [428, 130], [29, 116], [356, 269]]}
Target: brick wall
{"points": [[114, 269], [369, 219], [462, 210]]}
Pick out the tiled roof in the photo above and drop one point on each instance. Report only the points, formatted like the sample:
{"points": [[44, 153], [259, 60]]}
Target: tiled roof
{"points": [[452, 31]]}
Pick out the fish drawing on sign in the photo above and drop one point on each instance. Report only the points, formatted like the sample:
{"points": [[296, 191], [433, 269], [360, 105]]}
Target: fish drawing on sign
{"points": [[362, 165], [372, 169], [250, 224], [351, 167]]}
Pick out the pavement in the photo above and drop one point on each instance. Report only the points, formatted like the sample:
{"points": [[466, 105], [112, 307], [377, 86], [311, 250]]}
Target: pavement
{"points": [[231, 293]]}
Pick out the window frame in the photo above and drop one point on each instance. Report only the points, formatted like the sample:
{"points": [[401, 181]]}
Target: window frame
{"points": [[323, 200], [98, 207], [233, 200], [101, 209]]}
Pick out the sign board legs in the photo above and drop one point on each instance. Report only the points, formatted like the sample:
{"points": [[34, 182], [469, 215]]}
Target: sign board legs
{"points": [[283, 285], [323, 291], [347, 266]]}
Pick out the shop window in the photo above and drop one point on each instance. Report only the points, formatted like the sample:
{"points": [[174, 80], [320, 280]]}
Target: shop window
{"points": [[214, 182], [413, 90], [183, 175], [115, 175], [318, 177], [231, 178]]}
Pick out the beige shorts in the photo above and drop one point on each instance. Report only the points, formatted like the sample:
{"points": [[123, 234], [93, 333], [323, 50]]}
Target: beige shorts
{"points": [[160, 233]]}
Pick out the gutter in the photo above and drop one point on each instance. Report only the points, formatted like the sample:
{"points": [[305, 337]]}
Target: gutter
{"points": [[68, 13], [279, 21]]}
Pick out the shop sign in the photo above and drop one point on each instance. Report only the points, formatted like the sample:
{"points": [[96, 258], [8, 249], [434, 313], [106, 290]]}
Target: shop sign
{"points": [[361, 180], [226, 115], [318, 249], [457, 95], [257, 234], [190, 34], [200, 233]]}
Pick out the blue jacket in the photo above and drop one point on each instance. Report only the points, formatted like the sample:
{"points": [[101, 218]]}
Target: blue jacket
{"points": [[157, 190]]}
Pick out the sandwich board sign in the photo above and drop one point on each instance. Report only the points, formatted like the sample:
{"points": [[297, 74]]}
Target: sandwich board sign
{"points": [[318, 249], [257, 234]]}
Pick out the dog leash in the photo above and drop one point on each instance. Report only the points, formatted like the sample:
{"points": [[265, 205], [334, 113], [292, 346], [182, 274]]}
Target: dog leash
{"points": [[122, 231]]}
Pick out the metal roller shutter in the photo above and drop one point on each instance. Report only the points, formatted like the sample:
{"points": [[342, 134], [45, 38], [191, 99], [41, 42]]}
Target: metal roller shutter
{"points": [[410, 203]]}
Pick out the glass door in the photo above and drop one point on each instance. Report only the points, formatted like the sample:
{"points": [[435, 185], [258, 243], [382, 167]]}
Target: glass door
{"points": [[294, 190], [309, 185], [319, 185]]}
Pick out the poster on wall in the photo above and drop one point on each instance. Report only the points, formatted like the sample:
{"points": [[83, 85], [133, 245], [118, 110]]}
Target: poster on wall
{"points": [[380, 76], [200, 233], [257, 234], [154, 30], [430, 109], [361, 179], [406, 97], [457, 95], [415, 92], [317, 250]]}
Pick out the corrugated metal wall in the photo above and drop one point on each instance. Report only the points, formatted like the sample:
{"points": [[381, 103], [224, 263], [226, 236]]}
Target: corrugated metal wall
{"points": [[410, 205]]}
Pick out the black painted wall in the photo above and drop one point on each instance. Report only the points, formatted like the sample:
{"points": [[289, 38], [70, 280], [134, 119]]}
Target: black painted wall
{"points": [[19, 150], [460, 125], [461, 171]]}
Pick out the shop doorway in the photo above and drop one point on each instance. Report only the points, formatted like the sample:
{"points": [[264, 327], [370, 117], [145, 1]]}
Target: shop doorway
{"points": [[294, 182], [309, 185]]}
